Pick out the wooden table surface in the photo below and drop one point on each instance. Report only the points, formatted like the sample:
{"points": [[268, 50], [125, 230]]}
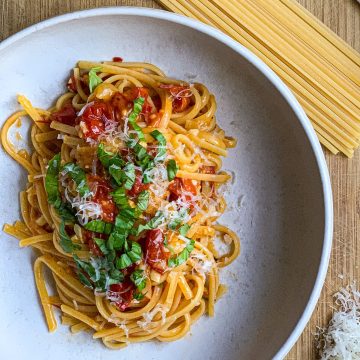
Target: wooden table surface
{"points": [[343, 17]]}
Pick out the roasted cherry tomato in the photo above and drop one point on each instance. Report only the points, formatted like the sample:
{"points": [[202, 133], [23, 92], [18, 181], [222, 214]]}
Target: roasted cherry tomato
{"points": [[65, 115], [138, 186], [101, 190], [179, 186], [181, 96], [117, 59], [122, 294], [156, 255], [89, 240], [92, 121]]}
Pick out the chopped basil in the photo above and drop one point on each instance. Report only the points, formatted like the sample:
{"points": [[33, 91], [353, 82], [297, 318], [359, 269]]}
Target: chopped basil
{"points": [[142, 157], [125, 176], [65, 242], [87, 267], [178, 219], [84, 279], [51, 181], [99, 226], [183, 256], [124, 221], [129, 175], [152, 224], [184, 229], [116, 275], [123, 262], [107, 159], [120, 198], [130, 256], [138, 277], [110, 257], [159, 137], [116, 241], [138, 104], [77, 174], [116, 172], [135, 253], [101, 243], [142, 201], [172, 169], [100, 271], [138, 296], [66, 213], [94, 79]]}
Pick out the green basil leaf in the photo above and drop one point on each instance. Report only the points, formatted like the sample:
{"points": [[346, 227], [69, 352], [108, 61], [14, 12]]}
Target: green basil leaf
{"points": [[124, 221], [123, 262], [178, 219], [138, 104], [101, 243], [116, 275], [87, 267], [66, 213], [116, 241], [142, 157], [65, 242], [172, 169], [120, 198], [51, 181], [138, 277], [77, 174], [183, 256], [138, 296], [125, 176], [99, 226], [116, 172], [142, 202], [135, 254], [107, 158], [159, 137], [147, 179], [152, 224], [84, 280], [94, 79], [110, 257], [129, 171], [184, 229]]}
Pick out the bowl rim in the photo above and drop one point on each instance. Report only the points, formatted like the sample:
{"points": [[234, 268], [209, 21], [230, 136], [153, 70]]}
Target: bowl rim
{"points": [[279, 85]]}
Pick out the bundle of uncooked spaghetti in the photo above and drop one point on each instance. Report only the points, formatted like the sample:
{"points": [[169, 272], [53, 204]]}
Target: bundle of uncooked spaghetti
{"points": [[320, 68]]}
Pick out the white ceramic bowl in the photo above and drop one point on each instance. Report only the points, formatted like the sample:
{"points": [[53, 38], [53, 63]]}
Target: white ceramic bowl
{"points": [[285, 220]]}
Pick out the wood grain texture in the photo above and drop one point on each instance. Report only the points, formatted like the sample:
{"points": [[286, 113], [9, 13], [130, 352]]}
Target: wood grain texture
{"points": [[343, 17]]}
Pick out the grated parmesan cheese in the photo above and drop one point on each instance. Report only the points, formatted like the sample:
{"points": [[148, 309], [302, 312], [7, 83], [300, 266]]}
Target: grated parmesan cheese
{"points": [[148, 316], [201, 264], [341, 339], [86, 209]]}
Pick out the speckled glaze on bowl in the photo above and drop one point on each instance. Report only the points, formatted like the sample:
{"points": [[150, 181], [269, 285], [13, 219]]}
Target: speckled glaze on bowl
{"points": [[285, 217]]}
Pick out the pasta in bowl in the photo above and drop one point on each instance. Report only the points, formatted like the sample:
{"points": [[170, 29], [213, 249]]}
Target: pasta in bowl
{"points": [[122, 202]]}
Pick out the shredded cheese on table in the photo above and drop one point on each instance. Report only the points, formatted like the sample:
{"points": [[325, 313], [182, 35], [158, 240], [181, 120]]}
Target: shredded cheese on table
{"points": [[341, 339]]}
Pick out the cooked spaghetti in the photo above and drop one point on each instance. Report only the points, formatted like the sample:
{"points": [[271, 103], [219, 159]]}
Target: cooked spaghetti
{"points": [[122, 201]]}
